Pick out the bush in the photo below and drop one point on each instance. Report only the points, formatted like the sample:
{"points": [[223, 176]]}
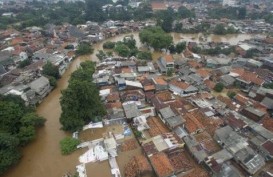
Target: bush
{"points": [[170, 72], [231, 94], [68, 145], [108, 45], [52, 81], [24, 63], [51, 70], [219, 87], [84, 49], [142, 55]]}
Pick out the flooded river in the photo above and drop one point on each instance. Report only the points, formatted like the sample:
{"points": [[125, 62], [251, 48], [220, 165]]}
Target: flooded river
{"points": [[42, 158]]}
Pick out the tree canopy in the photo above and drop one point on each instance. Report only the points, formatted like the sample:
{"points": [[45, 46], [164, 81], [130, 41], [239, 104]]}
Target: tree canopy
{"points": [[219, 87], [68, 145], [50, 70], [17, 128], [84, 49], [155, 37], [81, 102]]}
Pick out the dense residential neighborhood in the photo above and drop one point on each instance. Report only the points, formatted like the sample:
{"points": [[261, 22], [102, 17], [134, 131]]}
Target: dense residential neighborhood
{"points": [[174, 88]]}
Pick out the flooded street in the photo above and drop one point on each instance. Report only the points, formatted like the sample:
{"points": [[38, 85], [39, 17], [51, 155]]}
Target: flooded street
{"points": [[42, 158]]}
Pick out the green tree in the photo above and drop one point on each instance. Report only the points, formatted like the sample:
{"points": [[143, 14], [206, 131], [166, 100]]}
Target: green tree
{"points": [[68, 145], [170, 72], [143, 55], [155, 37], [81, 102], [9, 153], [84, 49], [24, 63], [178, 27], [26, 134], [101, 55], [219, 87], [32, 119], [51, 70], [130, 42], [231, 94], [52, 81], [219, 29], [122, 50], [183, 12], [180, 47], [108, 45]]}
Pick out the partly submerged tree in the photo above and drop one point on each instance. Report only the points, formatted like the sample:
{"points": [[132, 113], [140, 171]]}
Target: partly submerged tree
{"points": [[155, 37], [81, 102]]}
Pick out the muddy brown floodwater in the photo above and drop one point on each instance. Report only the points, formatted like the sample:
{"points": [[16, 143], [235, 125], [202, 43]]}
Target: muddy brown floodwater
{"points": [[42, 158]]}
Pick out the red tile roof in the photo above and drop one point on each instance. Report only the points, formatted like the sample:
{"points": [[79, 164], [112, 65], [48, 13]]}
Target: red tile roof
{"points": [[203, 72], [192, 124], [210, 84], [162, 165], [182, 85], [158, 6], [160, 81], [168, 58]]}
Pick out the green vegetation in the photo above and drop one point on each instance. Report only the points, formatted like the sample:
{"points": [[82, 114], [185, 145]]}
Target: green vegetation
{"points": [[51, 70], [219, 87], [268, 85], [122, 50], [229, 12], [101, 55], [108, 45], [231, 94], [143, 55], [68, 145], [52, 73], [84, 49], [81, 102], [24, 63], [269, 18], [221, 30], [17, 128], [180, 47], [39, 14], [170, 72], [155, 37], [213, 51], [183, 12]]}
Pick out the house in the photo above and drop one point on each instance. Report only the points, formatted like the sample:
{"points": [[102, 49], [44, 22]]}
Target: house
{"points": [[131, 110], [160, 143], [195, 148], [253, 113], [41, 86], [220, 169], [230, 140], [264, 146], [132, 95], [192, 124], [234, 122], [249, 160], [227, 80], [170, 118], [165, 63], [160, 84], [162, 165], [182, 88]]}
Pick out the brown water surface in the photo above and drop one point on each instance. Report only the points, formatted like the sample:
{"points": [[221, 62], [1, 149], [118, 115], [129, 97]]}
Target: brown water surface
{"points": [[42, 158]]}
